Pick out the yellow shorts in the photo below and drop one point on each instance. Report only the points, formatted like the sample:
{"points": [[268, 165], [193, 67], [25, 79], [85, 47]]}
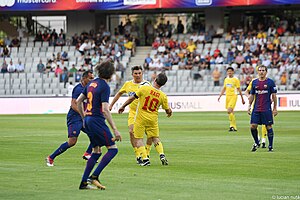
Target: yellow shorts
{"points": [[151, 131], [131, 116], [231, 101]]}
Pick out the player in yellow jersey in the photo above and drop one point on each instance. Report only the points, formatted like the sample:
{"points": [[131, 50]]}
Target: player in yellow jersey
{"points": [[130, 87], [232, 88], [150, 98], [263, 127]]}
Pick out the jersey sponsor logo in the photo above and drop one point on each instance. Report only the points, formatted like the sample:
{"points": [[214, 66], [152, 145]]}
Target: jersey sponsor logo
{"points": [[131, 94], [229, 85], [261, 91], [265, 86]]}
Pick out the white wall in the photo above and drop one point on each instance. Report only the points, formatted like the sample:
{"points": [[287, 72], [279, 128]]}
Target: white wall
{"points": [[177, 103]]}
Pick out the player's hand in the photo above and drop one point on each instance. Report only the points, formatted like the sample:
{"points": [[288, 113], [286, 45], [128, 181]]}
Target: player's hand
{"points": [[275, 112], [249, 111], [243, 101], [110, 108], [117, 136], [169, 112], [121, 110], [219, 99]]}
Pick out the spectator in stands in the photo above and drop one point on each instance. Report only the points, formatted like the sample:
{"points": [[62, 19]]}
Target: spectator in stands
{"points": [[207, 37], [152, 65], [296, 85], [183, 45], [41, 67], [15, 42], [5, 51], [38, 36], [180, 27], [147, 61], [181, 64], [88, 61], [130, 46], [72, 71], [60, 40], [11, 68], [20, 67], [120, 67], [191, 46], [283, 78], [4, 67], [58, 71], [216, 75], [65, 76], [83, 48], [239, 60], [219, 31], [46, 36]]}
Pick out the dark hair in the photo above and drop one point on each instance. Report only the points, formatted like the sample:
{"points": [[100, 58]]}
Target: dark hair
{"points": [[86, 73], [161, 79], [136, 67], [263, 67], [105, 70], [228, 68]]}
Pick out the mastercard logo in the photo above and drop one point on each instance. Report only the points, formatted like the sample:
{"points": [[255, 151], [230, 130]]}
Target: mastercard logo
{"points": [[7, 3]]}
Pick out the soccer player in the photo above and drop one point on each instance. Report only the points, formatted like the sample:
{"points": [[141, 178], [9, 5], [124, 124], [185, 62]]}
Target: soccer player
{"points": [[146, 118], [263, 127], [74, 122], [130, 87], [97, 93], [231, 86], [261, 91]]}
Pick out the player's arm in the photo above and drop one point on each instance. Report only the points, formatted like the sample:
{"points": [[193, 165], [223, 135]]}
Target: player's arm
{"points": [[251, 98], [240, 92], [115, 99], [108, 117], [79, 103], [127, 102], [74, 105], [222, 92], [274, 98]]}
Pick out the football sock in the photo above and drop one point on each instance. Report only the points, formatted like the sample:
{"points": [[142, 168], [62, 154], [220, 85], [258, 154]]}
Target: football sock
{"points": [[254, 133], [110, 154], [232, 120], [263, 133], [142, 152], [89, 149], [63, 147], [90, 165], [270, 137], [148, 149], [159, 148], [137, 155]]}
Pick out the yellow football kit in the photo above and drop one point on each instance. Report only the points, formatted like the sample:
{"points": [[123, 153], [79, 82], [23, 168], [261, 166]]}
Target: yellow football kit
{"points": [[130, 88], [146, 118]]}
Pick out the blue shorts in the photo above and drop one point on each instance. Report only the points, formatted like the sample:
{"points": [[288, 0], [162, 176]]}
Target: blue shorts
{"points": [[74, 127], [98, 132], [262, 118]]}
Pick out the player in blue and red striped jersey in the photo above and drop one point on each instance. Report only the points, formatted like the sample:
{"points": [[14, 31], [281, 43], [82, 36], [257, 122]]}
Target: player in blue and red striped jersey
{"points": [[97, 93], [74, 122], [262, 89]]}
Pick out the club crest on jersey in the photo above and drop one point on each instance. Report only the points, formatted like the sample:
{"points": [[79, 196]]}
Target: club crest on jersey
{"points": [[74, 132]]}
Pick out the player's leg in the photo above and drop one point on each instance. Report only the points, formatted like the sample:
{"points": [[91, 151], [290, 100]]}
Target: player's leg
{"points": [[89, 167], [230, 105], [268, 120], [73, 133], [138, 132], [263, 135], [148, 146], [88, 152], [153, 132], [131, 116], [255, 120]]}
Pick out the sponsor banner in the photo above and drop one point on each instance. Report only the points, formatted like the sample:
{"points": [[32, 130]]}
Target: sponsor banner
{"points": [[286, 102], [27, 5]]}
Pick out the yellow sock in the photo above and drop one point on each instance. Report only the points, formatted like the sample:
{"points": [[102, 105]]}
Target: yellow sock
{"points": [[136, 152], [142, 151], [232, 120], [159, 148], [148, 148], [263, 133]]}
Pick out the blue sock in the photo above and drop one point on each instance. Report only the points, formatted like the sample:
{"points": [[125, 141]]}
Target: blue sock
{"points": [[63, 147], [111, 153], [89, 149], [90, 165], [270, 137], [254, 133]]}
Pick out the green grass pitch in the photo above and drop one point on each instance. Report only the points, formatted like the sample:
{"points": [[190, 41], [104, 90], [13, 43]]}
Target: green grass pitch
{"points": [[206, 161]]}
